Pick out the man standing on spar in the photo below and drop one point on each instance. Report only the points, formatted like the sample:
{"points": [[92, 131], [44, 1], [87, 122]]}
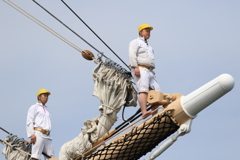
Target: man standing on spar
{"points": [[141, 57]]}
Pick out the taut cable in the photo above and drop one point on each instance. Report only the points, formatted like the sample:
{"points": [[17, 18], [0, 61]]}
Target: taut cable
{"points": [[95, 34], [67, 27], [42, 25]]}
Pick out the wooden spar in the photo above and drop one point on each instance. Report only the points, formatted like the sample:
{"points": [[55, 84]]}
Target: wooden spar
{"points": [[173, 108]]}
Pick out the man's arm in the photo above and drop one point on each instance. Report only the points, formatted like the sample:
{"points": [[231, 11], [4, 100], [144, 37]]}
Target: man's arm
{"points": [[30, 124], [132, 52]]}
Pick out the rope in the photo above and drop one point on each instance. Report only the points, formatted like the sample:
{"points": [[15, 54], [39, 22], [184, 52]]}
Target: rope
{"points": [[15, 148], [17, 144], [9, 2], [42, 25], [68, 27], [110, 120], [96, 35], [131, 119], [109, 107], [111, 64], [18, 149]]}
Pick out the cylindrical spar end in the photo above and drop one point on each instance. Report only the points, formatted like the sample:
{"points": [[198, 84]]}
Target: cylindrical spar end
{"points": [[202, 97], [226, 81]]}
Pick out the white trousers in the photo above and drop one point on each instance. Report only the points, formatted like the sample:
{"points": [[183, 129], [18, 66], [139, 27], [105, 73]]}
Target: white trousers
{"points": [[146, 80], [42, 145]]}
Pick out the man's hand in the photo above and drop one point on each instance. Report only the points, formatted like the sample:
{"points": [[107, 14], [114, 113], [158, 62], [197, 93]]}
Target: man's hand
{"points": [[137, 71], [33, 139]]}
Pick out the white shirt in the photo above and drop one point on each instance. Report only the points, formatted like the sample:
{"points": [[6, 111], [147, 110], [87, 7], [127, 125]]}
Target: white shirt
{"points": [[38, 116], [140, 53]]}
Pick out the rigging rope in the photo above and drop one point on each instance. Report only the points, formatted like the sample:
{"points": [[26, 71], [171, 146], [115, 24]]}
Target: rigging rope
{"points": [[15, 6], [131, 119], [95, 34], [111, 64], [43, 25], [18, 144], [68, 27], [16, 148]]}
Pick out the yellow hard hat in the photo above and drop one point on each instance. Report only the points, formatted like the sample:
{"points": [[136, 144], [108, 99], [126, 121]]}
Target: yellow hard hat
{"points": [[143, 26], [41, 91]]}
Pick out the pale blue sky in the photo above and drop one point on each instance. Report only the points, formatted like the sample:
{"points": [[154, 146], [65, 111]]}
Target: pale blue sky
{"points": [[194, 42]]}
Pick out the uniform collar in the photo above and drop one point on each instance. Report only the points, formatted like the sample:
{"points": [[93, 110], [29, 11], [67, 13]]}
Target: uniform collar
{"points": [[143, 39], [40, 104]]}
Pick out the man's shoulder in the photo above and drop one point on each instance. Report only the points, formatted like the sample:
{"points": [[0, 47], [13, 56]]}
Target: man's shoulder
{"points": [[135, 41]]}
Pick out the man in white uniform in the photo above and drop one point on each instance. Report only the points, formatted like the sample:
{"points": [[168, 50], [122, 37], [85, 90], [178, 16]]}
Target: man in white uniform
{"points": [[141, 57], [39, 126]]}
